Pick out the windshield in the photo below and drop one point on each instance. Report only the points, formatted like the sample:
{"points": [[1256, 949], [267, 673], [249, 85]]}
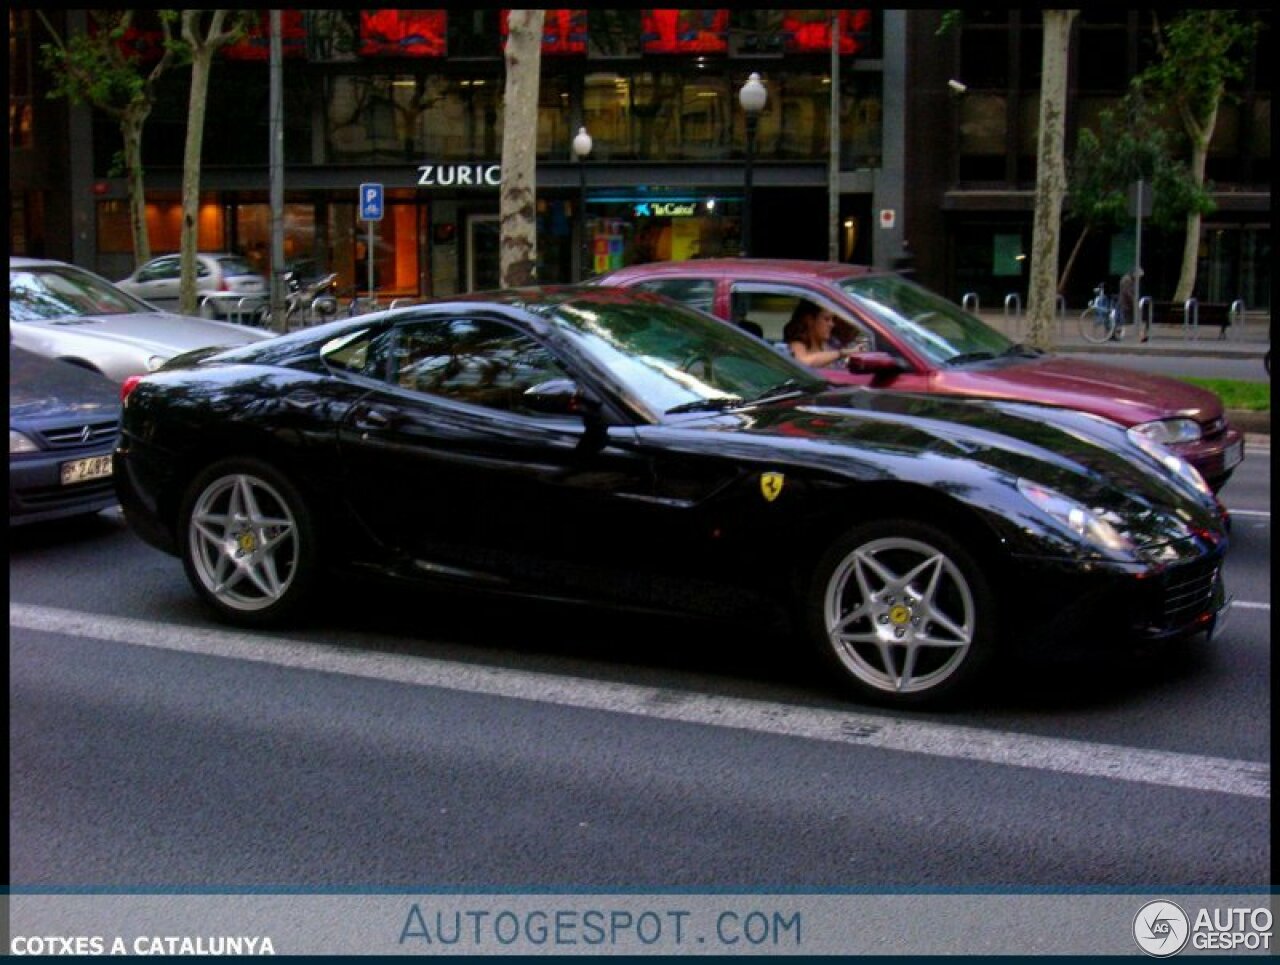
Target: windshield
{"points": [[666, 358], [933, 326], [60, 291]]}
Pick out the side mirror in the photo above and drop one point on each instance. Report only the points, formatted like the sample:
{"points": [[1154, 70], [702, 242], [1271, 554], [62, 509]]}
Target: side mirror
{"points": [[560, 397], [875, 363]]}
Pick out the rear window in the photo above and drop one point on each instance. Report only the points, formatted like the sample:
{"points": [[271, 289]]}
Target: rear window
{"points": [[235, 265]]}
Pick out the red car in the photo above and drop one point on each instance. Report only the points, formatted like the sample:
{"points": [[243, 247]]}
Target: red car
{"points": [[918, 341]]}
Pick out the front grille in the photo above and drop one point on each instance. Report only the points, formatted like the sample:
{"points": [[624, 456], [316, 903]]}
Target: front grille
{"points": [[50, 497], [1187, 593], [75, 436]]}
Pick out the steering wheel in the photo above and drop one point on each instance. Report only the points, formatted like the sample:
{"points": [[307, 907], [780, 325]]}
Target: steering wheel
{"points": [[697, 359]]}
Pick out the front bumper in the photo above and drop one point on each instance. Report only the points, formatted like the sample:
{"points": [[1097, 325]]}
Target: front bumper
{"points": [[1100, 607], [1215, 457], [36, 492]]}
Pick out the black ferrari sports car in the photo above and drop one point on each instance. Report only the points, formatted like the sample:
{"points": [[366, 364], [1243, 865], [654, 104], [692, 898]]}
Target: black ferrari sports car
{"points": [[600, 444]]}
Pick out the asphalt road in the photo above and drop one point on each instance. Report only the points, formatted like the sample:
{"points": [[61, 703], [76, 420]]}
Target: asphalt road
{"points": [[423, 739]]}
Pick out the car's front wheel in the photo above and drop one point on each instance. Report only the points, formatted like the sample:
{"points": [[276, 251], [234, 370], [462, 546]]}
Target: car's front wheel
{"points": [[902, 612], [248, 542]]}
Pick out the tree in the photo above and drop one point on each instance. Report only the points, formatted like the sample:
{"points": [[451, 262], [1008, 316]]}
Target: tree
{"points": [[1199, 55], [1051, 178], [523, 57], [101, 68], [203, 32], [1129, 144]]}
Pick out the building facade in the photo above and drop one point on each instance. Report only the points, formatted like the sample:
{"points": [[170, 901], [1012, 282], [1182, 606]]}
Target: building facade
{"points": [[412, 100]]}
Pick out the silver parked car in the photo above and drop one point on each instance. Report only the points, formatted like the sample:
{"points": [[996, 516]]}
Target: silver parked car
{"points": [[65, 312], [227, 286]]}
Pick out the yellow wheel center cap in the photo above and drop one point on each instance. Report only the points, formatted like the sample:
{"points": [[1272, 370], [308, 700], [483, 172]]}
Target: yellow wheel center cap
{"points": [[899, 614], [246, 542]]}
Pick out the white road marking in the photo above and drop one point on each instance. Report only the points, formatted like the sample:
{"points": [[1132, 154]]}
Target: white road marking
{"points": [[1250, 606], [1259, 513], [955, 742]]}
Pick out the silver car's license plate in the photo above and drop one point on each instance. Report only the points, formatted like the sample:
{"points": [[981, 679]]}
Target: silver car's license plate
{"points": [[83, 470]]}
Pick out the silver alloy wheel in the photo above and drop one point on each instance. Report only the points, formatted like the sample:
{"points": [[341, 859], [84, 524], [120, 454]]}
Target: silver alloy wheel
{"points": [[243, 541], [899, 615]]}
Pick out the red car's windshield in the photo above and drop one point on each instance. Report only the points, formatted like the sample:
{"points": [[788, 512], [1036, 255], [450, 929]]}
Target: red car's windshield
{"points": [[931, 325]]}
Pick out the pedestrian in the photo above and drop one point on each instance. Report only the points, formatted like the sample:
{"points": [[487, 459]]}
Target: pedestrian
{"points": [[1128, 287]]}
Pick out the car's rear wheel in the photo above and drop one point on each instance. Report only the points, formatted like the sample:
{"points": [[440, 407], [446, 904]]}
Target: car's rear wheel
{"points": [[902, 611], [248, 542]]}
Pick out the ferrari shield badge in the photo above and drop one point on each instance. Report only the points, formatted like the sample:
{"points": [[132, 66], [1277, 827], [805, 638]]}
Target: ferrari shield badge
{"points": [[771, 485]]}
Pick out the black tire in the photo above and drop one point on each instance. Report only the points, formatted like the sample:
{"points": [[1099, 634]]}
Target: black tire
{"points": [[901, 612], [248, 542]]}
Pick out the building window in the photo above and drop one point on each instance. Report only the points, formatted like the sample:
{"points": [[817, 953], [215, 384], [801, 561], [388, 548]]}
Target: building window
{"points": [[20, 79]]}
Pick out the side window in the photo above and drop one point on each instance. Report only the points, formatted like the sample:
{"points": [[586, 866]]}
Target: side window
{"points": [[161, 269], [699, 293], [477, 361], [771, 310]]}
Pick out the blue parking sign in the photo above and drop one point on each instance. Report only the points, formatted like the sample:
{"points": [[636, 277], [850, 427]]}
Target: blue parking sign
{"points": [[371, 202]]}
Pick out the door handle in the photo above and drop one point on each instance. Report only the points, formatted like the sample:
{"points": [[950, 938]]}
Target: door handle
{"points": [[373, 419]]}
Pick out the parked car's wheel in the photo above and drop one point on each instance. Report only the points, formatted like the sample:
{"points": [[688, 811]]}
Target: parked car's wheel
{"points": [[902, 611], [248, 542]]}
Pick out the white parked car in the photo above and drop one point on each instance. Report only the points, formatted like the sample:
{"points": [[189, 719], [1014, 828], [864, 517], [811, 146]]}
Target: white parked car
{"points": [[227, 286], [65, 312]]}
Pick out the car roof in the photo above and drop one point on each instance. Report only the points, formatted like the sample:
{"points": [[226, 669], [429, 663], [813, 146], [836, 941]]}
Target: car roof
{"points": [[779, 268]]}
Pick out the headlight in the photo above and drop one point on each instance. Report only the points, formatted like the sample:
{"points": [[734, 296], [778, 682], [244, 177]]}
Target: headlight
{"points": [[154, 362], [20, 443], [1077, 517], [1169, 431], [1173, 462]]}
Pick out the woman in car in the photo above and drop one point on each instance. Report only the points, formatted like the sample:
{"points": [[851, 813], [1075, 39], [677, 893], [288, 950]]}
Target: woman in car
{"points": [[811, 336]]}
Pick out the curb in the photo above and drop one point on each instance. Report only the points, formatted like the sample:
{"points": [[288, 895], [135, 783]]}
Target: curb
{"points": [[1250, 421]]}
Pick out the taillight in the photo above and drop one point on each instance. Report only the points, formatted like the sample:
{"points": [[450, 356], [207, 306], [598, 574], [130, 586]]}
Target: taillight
{"points": [[128, 385]]}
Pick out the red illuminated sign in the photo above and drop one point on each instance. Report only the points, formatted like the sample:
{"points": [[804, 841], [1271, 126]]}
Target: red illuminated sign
{"points": [[810, 30], [402, 33], [563, 31], [684, 31], [256, 43]]}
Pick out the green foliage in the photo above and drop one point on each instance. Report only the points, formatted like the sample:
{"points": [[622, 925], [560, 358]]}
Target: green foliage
{"points": [[1130, 143], [1237, 394], [1202, 52]]}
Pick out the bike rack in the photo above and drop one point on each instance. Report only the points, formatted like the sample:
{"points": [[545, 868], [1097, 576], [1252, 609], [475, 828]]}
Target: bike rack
{"points": [[401, 303], [1013, 300], [1146, 314], [970, 299], [1191, 319], [1235, 316]]}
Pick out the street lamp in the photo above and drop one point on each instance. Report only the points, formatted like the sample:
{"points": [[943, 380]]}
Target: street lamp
{"points": [[581, 148], [752, 98]]}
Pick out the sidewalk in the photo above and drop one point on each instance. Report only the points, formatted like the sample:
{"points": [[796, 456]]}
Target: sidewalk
{"points": [[1250, 340]]}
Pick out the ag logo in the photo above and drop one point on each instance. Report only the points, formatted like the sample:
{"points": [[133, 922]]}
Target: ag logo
{"points": [[1161, 928], [771, 485]]}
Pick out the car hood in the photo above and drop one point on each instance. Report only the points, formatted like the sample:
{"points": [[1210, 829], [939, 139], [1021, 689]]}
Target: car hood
{"points": [[942, 442], [1122, 395], [162, 333], [40, 387]]}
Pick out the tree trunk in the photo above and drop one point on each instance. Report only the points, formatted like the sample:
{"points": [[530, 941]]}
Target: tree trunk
{"points": [[203, 44], [1051, 179], [1200, 134], [131, 133], [201, 62], [1071, 259], [518, 245]]}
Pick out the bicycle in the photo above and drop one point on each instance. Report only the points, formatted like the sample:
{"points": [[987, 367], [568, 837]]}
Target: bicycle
{"points": [[1102, 321]]}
